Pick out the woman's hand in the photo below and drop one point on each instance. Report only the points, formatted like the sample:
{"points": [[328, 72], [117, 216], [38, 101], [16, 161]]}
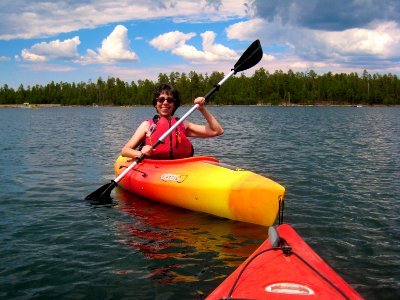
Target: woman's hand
{"points": [[201, 101], [147, 150]]}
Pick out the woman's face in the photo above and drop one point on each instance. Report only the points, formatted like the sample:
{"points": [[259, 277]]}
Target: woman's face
{"points": [[165, 104]]}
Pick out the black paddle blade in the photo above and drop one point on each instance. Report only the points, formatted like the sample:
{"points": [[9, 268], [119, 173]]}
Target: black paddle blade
{"points": [[249, 58], [103, 194]]}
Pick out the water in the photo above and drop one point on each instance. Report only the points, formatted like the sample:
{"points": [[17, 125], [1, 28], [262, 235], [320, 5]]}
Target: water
{"points": [[340, 166]]}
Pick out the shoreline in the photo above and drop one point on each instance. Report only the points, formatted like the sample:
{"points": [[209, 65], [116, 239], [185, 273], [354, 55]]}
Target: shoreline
{"points": [[29, 105], [186, 105]]}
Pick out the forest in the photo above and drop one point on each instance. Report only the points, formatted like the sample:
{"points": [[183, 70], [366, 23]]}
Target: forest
{"points": [[261, 88]]}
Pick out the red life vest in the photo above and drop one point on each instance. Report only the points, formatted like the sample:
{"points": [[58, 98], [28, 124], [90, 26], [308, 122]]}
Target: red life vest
{"points": [[176, 145]]}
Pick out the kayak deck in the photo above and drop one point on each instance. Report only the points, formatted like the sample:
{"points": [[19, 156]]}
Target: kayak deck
{"points": [[284, 267]]}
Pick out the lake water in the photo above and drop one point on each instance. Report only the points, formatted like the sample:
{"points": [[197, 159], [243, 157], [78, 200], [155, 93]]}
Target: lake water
{"points": [[340, 167]]}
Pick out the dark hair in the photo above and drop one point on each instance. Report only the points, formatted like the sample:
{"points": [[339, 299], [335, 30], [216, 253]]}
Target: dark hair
{"points": [[164, 87]]}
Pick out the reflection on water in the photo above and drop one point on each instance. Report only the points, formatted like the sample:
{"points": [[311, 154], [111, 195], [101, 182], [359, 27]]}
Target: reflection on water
{"points": [[181, 238]]}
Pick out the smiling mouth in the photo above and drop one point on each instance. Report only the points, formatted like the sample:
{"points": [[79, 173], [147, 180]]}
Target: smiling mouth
{"points": [[164, 109]]}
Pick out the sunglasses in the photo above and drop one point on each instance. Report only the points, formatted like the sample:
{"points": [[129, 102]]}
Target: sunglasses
{"points": [[162, 99]]}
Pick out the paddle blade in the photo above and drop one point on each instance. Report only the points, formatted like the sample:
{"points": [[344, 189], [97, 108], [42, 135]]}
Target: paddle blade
{"points": [[103, 194], [249, 58]]}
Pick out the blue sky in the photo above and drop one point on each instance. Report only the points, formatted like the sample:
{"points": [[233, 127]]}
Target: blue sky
{"points": [[70, 41]]}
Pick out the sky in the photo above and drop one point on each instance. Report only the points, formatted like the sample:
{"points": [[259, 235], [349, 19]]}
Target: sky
{"points": [[80, 41]]}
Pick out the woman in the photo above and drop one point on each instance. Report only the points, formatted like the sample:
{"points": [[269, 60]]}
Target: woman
{"points": [[176, 145]]}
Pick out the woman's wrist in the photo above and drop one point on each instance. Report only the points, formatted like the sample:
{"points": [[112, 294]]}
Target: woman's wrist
{"points": [[202, 108]]}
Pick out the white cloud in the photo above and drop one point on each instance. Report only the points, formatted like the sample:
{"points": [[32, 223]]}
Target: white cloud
{"points": [[383, 40], [4, 58], [28, 19], [29, 56], [246, 30], [216, 49], [300, 47], [116, 46], [176, 43], [268, 58], [57, 49], [171, 40], [114, 49]]}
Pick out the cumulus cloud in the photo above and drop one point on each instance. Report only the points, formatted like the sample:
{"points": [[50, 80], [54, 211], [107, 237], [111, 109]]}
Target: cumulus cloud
{"points": [[114, 49], [383, 40], [247, 30], [171, 40], [222, 52], [175, 42], [57, 49], [296, 46]]}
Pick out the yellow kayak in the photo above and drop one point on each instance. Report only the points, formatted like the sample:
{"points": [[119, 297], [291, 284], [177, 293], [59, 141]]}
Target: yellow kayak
{"points": [[203, 184]]}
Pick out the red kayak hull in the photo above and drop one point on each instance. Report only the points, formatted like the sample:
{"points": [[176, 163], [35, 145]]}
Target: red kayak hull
{"points": [[272, 274]]}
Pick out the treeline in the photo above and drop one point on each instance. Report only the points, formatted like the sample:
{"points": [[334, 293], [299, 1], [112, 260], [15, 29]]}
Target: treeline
{"points": [[261, 88]]}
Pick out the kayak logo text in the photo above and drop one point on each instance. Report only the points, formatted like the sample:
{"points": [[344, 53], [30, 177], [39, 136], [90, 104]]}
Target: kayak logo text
{"points": [[173, 177]]}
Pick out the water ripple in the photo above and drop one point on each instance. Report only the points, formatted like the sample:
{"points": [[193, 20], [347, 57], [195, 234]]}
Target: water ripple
{"points": [[340, 167]]}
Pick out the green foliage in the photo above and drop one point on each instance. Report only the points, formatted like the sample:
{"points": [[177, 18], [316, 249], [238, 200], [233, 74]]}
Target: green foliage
{"points": [[262, 87]]}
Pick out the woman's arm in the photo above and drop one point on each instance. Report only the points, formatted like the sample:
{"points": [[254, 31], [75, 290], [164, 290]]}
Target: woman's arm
{"points": [[213, 128], [129, 149]]}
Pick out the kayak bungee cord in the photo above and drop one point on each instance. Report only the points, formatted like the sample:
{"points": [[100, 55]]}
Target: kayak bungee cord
{"points": [[287, 250], [144, 174]]}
